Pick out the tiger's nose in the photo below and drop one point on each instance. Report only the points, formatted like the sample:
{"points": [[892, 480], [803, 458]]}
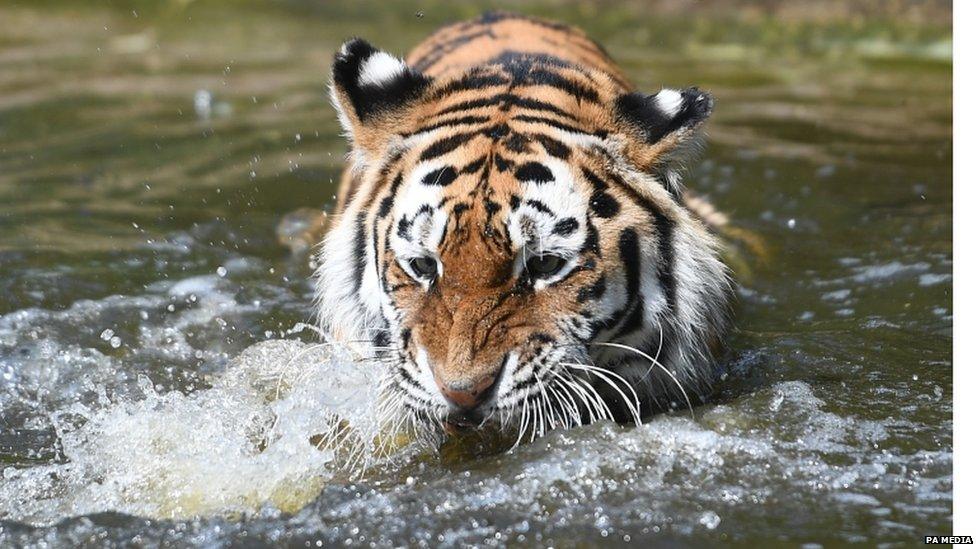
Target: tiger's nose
{"points": [[468, 395]]}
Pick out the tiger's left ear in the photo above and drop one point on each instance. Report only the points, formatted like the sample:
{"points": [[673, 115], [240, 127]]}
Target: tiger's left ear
{"points": [[662, 127], [370, 90]]}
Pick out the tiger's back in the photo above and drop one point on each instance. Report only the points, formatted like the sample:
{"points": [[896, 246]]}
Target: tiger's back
{"points": [[496, 34]]}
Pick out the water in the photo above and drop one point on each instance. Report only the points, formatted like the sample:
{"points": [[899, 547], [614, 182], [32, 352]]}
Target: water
{"points": [[147, 153]]}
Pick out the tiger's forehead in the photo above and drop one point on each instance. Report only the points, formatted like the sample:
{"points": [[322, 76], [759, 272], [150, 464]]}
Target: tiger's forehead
{"points": [[486, 190]]}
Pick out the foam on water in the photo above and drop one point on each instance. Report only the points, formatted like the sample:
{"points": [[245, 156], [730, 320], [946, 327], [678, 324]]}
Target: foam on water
{"points": [[231, 448]]}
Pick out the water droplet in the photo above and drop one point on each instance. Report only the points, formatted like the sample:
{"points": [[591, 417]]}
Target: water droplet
{"points": [[710, 520], [115, 342], [791, 223], [107, 334], [221, 271], [203, 103]]}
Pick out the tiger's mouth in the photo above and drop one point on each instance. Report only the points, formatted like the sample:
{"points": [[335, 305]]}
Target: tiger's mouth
{"points": [[559, 394], [460, 421]]}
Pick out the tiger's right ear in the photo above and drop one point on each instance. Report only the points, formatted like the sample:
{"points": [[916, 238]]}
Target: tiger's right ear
{"points": [[370, 90]]}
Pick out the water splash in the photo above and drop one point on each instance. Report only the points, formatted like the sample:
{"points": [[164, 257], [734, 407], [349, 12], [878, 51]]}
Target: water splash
{"points": [[244, 443]]}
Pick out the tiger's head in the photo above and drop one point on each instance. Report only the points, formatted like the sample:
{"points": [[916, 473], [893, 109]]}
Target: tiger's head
{"points": [[514, 242]]}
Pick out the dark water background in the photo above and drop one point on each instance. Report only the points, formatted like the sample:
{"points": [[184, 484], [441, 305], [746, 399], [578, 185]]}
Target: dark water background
{"points": [[147, 151]]}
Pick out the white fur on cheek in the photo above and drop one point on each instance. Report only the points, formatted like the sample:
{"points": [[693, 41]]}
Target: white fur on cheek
{"points": [[506, 381], [669, 101], [341, 308], [379, 69]]}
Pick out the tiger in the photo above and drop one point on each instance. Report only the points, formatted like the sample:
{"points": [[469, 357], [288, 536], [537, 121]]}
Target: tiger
{"points": [[512, 238]]}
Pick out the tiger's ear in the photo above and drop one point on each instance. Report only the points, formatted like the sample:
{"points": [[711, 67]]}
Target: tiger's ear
{"points": [[662, 127], [370, 90]]}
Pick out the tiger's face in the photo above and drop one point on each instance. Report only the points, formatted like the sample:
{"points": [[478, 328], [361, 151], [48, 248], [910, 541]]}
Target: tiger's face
{"points": [[511, 229]]}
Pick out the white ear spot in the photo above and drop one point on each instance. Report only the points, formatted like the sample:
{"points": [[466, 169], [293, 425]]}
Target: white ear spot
{"points": [[380, 68], [669, 102]]}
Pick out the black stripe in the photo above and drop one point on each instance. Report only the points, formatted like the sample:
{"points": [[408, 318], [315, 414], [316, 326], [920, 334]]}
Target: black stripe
{"points": [[665, 251], [497, 132], [602, 203], [517, 143], [592, 242], [506, 100], [553, 147], [387, 203], [536, 105], [473, 81], [665, 245], [491, 207], [541, 337], [474, 165], [541, 76], [566, 226], [629, 244], [459, 209], [403, 228], [534, 171], [634, 320], [557, 124], [381, 339], [446, 145], [441, 177], [540, 207], [359, 248], [595, 291], [405, 376], [460, 121]]}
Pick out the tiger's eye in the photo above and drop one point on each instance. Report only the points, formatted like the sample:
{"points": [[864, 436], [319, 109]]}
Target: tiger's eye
{"points": [[424, 267], [546, 265]]}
